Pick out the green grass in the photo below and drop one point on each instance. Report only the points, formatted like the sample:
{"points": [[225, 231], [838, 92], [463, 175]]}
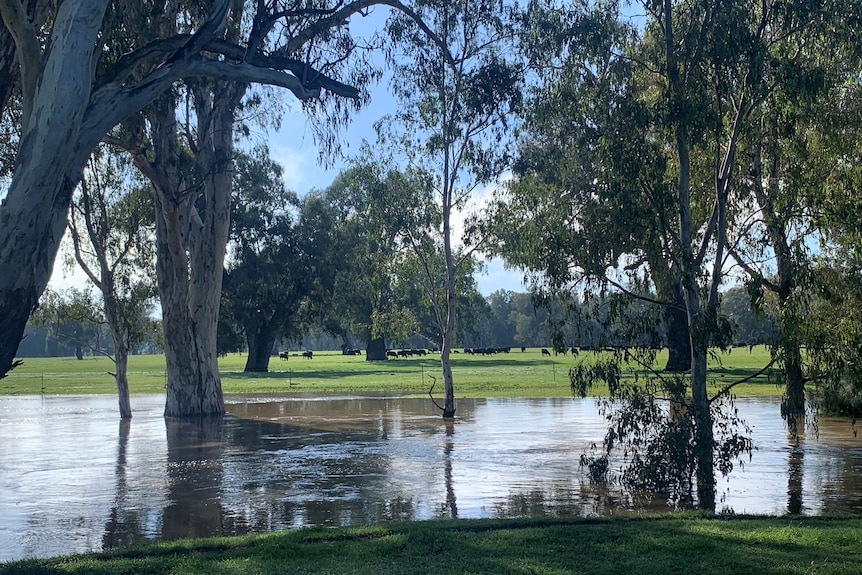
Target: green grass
{"points": [[613, 546], [515, 374]]}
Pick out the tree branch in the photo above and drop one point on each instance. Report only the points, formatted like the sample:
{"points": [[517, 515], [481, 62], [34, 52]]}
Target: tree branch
{"points": [[730, 386], [633, 295], [311, 77], [27, 48], [750, 270], [112, 102], [205, 33]]}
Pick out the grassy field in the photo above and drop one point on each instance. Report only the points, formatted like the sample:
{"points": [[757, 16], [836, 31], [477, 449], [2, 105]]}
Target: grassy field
{"points": [[612, 546], [516, 374]]}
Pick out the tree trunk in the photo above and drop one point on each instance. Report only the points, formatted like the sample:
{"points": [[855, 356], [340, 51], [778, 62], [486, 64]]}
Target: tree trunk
{"points": [[448, 385], [689, 272], [113, 316], [191, 389], [192, 236], [33, 213], [678, 341], [703, 432], [121, 356], [260, 345], [376, 349], [32, 222], [793, 399], [448, 330]]}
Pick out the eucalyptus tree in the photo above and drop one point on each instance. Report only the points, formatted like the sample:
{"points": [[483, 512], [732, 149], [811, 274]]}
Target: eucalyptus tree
{"points": [[801, 166], [82, 69], [79, 70], [72, 320], [659, 116], [589, 205], [378, 208], [269, 271], [112, 235], [458, 88]]}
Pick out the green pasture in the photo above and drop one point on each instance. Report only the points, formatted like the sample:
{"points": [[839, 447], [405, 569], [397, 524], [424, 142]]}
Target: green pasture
{"points": [[598, 546], [514, 374]]}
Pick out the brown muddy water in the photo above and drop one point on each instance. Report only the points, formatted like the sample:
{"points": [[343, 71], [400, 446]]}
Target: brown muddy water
{"points": [[73, 478]]}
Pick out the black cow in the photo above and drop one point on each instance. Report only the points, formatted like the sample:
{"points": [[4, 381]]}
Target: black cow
{"points": [[391, 353], [546, 352], [308, 354], [284, 355]]}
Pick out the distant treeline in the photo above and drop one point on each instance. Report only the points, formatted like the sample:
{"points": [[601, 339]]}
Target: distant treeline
{"points": [[502, 319]]}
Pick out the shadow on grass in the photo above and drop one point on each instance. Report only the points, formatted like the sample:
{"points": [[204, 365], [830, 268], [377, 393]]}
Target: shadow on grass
{"points": [[644, 545], [389, 367]]}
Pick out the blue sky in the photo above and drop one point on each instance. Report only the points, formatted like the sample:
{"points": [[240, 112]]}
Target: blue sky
{"points": [[293, 147]]}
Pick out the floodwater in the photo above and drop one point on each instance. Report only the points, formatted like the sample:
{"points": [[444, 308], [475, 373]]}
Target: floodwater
{"points": [[74, 478]]}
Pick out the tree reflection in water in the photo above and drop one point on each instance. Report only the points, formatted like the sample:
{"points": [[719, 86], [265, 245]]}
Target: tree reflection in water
{"points": [[71, 481], [450, 508], [795, 460], [195, 476]]}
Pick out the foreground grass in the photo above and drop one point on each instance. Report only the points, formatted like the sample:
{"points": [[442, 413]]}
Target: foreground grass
{"points": [[516, 374], [611, 546]]}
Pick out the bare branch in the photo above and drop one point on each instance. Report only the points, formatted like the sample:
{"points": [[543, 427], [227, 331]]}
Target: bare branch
{"points": [[205, 33], [730, 386], [633, 295], [311, 77], [750, 270]]}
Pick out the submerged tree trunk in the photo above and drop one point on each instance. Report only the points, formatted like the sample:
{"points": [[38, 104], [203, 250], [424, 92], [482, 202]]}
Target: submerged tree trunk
{"points": [[192, 221], [121, 357], [447, 315], [446, 363], [189, 317], [193, 387], [704, 438], [793, 399]]}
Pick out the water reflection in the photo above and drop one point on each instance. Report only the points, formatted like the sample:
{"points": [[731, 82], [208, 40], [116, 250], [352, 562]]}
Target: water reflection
{"points": [[795, 467], [71, 481], [450, 508]]}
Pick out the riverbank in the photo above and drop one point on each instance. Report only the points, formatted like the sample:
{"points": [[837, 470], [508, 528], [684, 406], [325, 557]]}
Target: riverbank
{"points": [[649, 546], [514, 374]]}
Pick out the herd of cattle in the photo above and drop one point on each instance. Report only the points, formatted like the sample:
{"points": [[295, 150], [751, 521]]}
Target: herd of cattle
{"points": [[396, 353]]}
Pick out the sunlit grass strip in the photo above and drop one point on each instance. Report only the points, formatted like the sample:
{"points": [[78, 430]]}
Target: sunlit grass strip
{"points": [[648, 545], [515, 374]]}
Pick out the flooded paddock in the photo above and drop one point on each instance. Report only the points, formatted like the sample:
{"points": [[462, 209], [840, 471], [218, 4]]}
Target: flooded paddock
{"points": [[74, 478]]}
